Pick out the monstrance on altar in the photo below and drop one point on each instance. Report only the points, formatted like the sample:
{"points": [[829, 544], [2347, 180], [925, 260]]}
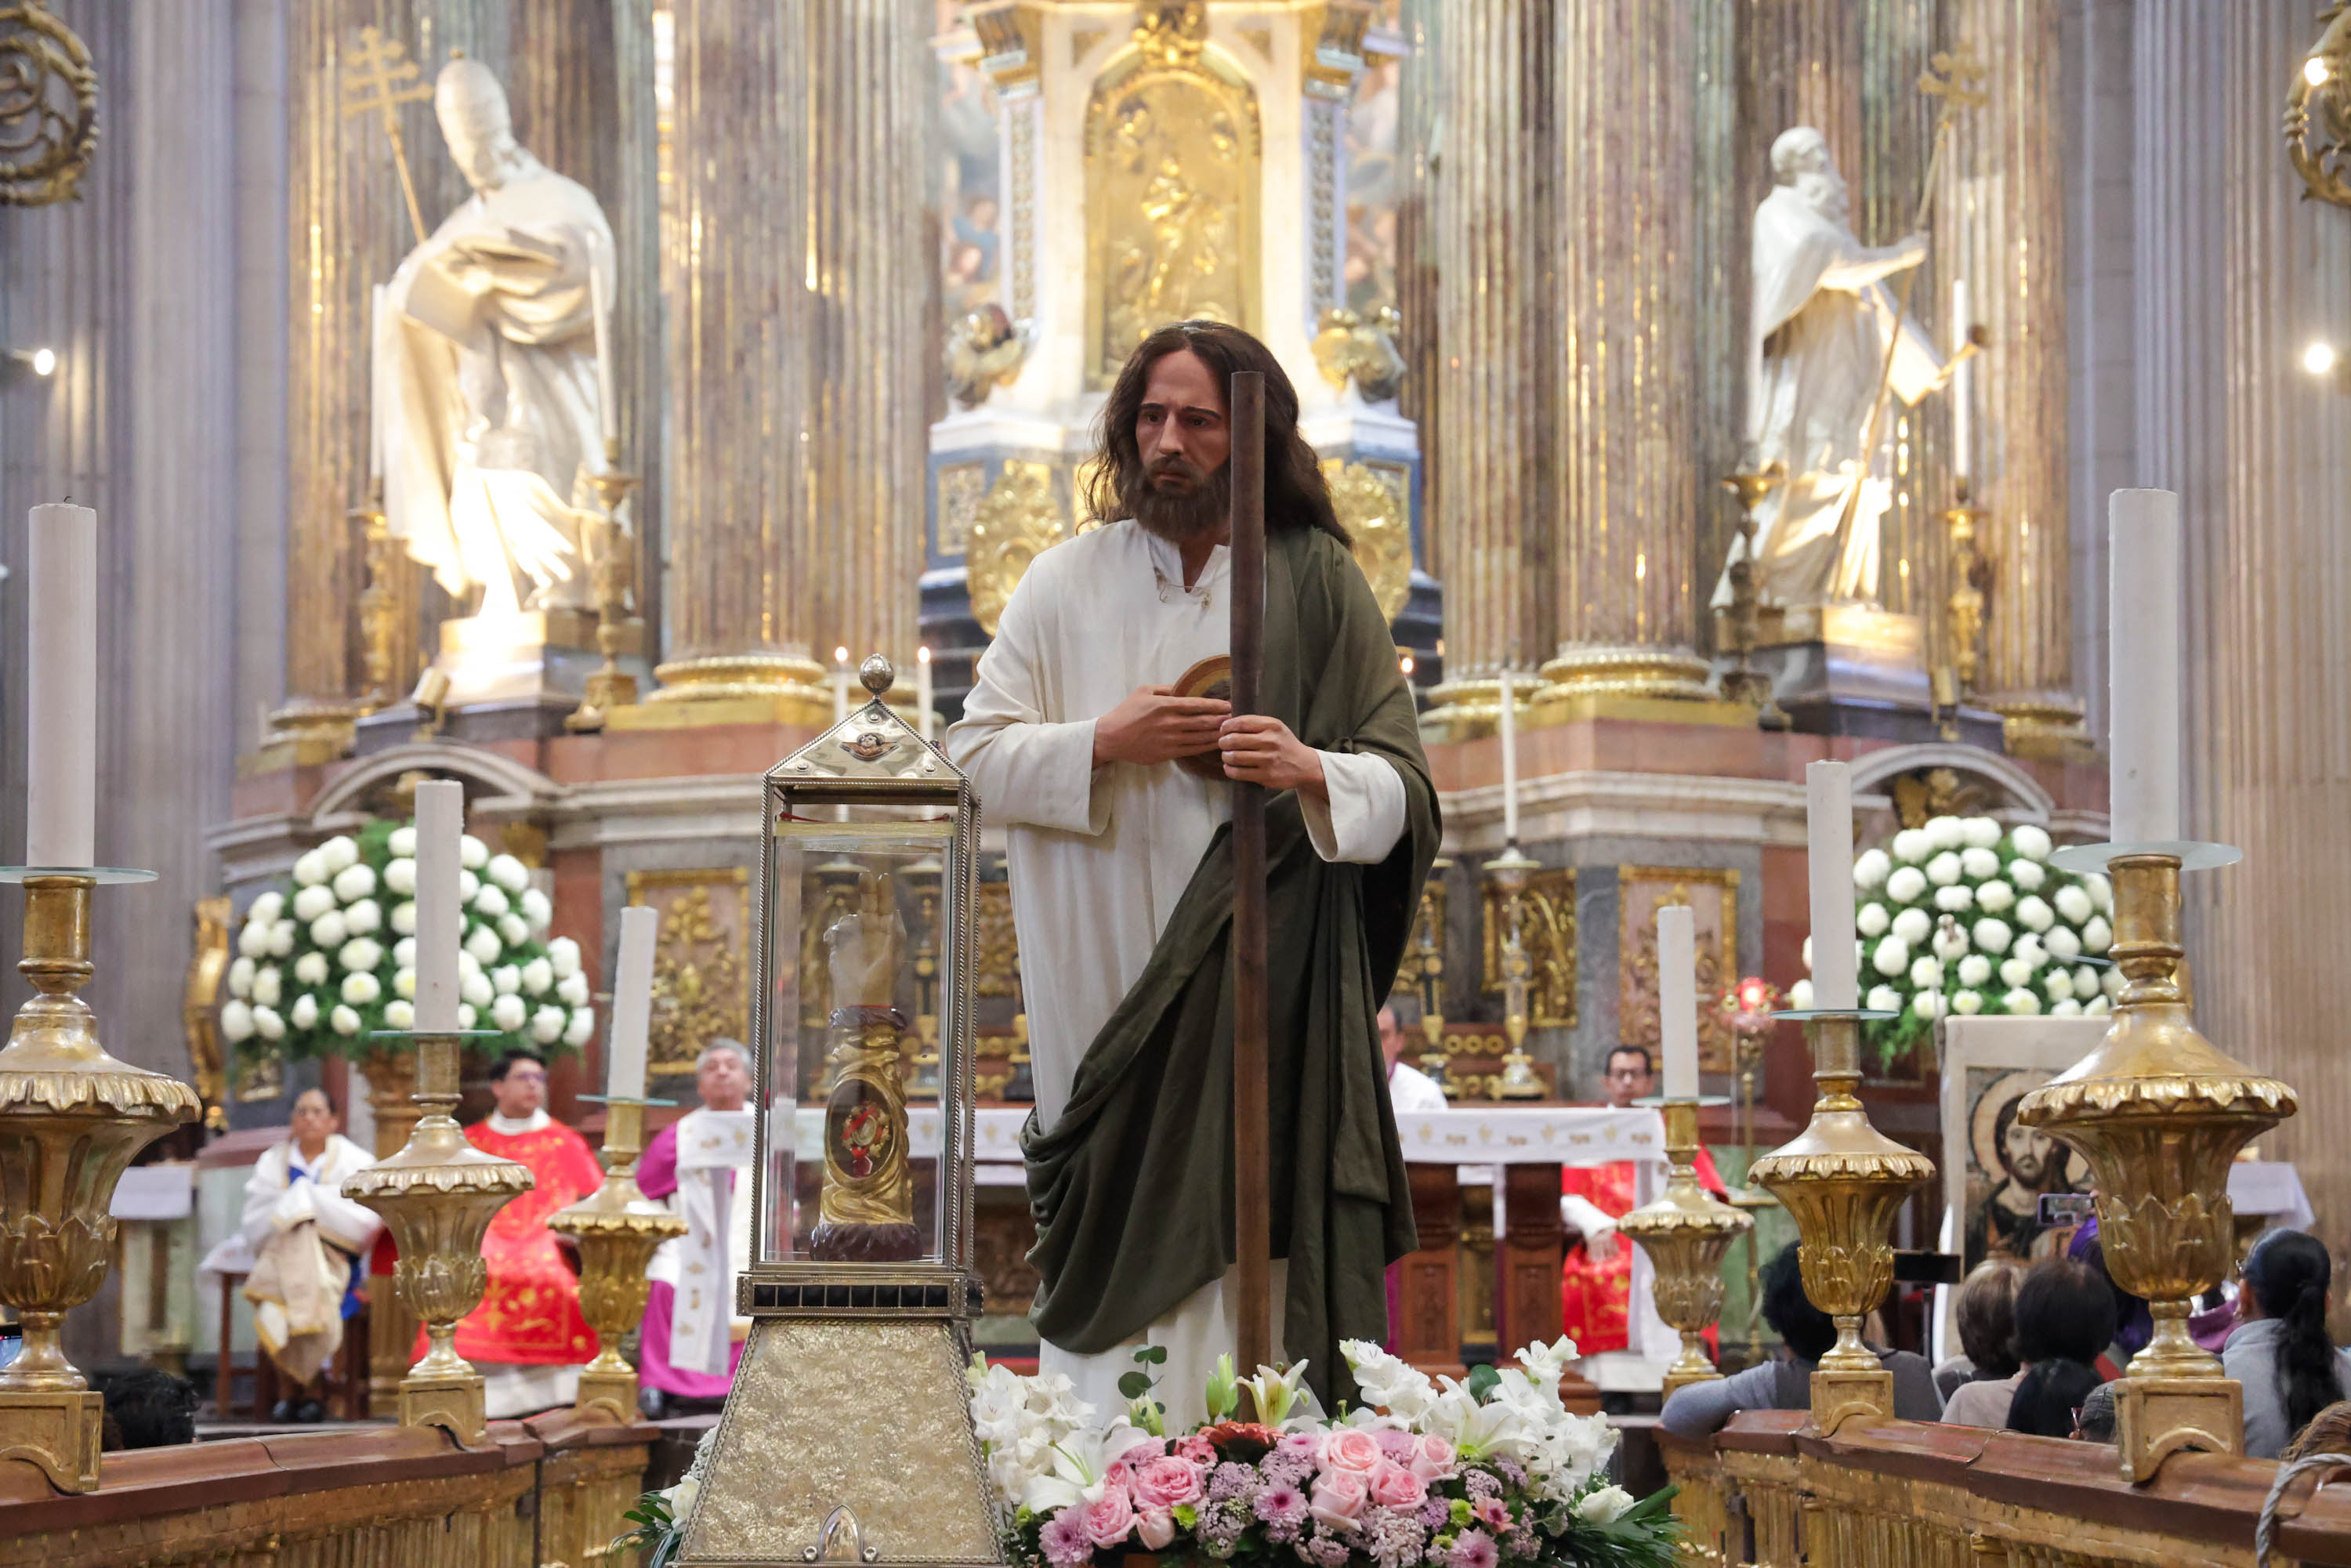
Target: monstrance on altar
{"points": [[848, 1435]]}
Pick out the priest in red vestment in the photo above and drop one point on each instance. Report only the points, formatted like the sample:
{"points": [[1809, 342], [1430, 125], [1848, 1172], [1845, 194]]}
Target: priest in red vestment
{"points": [[1596, 1281], [527, 1338]]}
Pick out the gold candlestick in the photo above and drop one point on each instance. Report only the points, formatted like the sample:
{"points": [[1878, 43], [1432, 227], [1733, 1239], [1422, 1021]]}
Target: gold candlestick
{"points": [[2159, 1111], [1743, 681], [1510, 872], [617, 1227], [438, 1194], [71, 1117], [1423, 969], [612, 573], [1686, 1233], [1842, 1180], [1966, 604]]}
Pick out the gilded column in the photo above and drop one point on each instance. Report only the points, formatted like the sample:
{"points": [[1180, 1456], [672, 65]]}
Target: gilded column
{"points": [[1625, 511], [348, 227], [1416, 243], [2010, 229], [1497, 374]]}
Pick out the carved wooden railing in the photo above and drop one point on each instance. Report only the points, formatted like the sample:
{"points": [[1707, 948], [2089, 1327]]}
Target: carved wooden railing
{"points": [[1901, 1494], [544, 1491]]}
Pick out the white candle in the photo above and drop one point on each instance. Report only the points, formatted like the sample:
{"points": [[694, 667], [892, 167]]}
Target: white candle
{"points": [[1678, 999], [375, 385], [2143, 547], [1828, 819], [440, 824], [1510, 759], [922, 691], [839, 684], [61, 687], [1962, 416], [632, 1004], [600, 284]]}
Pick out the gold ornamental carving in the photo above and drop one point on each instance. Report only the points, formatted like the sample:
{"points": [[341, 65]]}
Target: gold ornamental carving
{"points": [[961, 487], [2159, 1113], [49, 108], [199, 1003], [702, 988], [1371, 505], [1019, 520], [71, 1117], [617, 1228], [1347, 349], [1173, 150], [1712, 897], [1547, 929], [2318, 113], [1842, 1180], [1686, 1232], [996, 942]]}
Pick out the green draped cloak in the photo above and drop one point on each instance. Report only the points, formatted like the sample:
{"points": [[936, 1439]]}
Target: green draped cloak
{"points": [[1132, 1187]]}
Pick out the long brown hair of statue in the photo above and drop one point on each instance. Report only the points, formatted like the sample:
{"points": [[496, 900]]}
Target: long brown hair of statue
{"points": [[1295, 491]]}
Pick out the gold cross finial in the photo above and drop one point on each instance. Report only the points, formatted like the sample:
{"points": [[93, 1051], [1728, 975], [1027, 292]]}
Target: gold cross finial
{"points": [[379, 76], [1956, 77]]}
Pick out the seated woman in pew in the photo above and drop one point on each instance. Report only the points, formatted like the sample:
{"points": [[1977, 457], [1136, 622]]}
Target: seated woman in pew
{"points": [[2064, 1316], [2280, 1350]]}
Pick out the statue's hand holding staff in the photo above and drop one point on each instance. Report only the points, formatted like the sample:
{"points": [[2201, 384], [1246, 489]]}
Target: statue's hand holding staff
{"points": [[1151, 724]]}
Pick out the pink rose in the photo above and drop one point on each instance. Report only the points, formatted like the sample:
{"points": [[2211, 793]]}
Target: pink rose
{"points": [[1351, 1451], [1433, 1458], [1163, 1483], [1393, 1486], [1196, 1448], [1154, 1528], [1110, 1517], [1339, 1497]]}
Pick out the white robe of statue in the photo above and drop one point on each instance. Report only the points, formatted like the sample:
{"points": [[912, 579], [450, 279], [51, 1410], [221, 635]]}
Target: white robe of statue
{"points": [[1097, 857], [488, 406], [1816, 348]]}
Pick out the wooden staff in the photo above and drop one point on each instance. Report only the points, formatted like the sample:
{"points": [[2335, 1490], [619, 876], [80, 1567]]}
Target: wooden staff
{"points": [[1252, 1196]]}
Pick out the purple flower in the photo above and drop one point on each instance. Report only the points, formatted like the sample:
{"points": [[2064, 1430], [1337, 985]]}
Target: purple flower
{"points": [[1231, 1480], [1436, 1512], [1220, 1527], [1397, 1446], [1520, 1542], [1327, 1550], [1280, 1505], [1513, 1474], [1064, 1540], [1286, 1467], [1395, 1540], [1473, 1549], [1481, 1484]]}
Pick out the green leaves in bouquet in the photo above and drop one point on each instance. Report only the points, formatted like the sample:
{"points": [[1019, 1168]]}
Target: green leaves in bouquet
{"points": [[656, 1533], [1646, 1535]]}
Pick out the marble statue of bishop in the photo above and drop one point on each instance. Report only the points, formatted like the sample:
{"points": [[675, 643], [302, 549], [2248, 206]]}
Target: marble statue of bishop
{"points": [[1816, 352], [487, 398]]}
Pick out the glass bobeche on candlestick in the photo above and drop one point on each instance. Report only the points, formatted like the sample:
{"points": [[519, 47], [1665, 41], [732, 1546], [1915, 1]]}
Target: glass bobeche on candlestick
{"points": [[848, 1429]]}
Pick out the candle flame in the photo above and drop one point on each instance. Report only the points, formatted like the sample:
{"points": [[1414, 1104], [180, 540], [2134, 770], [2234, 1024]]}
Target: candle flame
{"points": [[2315, 71], [841, 655], [2319, 357], [923, 654]]}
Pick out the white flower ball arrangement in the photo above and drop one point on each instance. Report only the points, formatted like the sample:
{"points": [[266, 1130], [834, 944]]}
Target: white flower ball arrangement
{"points": [[1962, 916], [321, 967]]}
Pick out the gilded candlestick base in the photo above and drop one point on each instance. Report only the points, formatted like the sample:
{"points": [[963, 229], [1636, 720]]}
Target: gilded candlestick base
{"points": [[437, 1197], [71, 1117], [617, 1228], [1686, 1233], [1841, 1179], [2159, 1112], [612, 575]]}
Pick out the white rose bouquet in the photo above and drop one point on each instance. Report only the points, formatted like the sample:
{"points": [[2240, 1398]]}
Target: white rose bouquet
{"points": [[1962, 916], [321, 968]]}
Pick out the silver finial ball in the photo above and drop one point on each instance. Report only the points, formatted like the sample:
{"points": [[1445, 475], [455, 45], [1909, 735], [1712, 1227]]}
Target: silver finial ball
{"points": [[875, 674]]}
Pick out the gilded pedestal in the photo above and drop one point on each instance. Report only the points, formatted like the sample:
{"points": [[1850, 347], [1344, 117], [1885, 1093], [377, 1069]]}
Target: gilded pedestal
{"points": [[1842, 1180], [617, 1227], [2159, 1113], [1686, 1233], [438, 1196], [71, 1117]]}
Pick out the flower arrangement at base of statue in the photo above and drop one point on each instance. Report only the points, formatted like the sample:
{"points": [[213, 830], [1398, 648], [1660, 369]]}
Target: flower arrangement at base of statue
{"points": [[1470, 1475], [1960, 916], [318, 968]]}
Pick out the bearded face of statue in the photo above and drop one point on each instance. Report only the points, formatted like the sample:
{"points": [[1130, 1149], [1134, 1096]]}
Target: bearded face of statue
{"points": [[1801, 158]]}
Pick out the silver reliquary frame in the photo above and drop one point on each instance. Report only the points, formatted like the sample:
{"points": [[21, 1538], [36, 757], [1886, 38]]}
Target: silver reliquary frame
{"points": [[847, 1436]]}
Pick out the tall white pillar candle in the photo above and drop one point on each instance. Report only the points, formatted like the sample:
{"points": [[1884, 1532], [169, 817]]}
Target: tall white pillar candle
{"points": [[61, 687], [1828, 826], [1962, 416], [2143, 549], [923, 692], [440, 824], [839, 684], [1510, 759], [1678, 999], [608, 403], [632, 1004]]}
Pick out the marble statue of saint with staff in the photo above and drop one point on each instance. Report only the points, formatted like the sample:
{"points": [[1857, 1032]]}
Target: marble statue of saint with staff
{"points": [[1817, 351], [1111, 787], [492, 372]]}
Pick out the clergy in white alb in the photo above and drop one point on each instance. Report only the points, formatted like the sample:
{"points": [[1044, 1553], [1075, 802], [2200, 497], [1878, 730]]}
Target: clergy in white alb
{"points": [[702, 1164], [1121, 887], [1815, 353]]}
